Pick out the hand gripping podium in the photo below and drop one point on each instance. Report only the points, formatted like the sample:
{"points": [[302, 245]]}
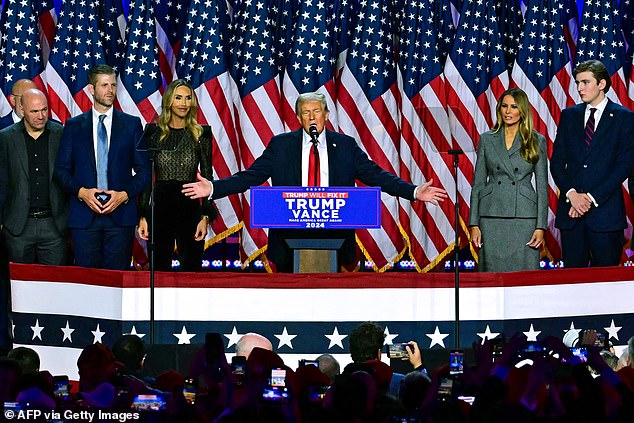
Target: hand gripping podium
{"points": [[315, 208]]}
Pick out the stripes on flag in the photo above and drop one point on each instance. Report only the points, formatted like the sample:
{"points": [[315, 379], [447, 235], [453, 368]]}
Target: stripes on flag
{"points": [[202, 61], [257, 99], [47, 20], [20, 52], [476, 77], [140, 81], [424, 135], [76, 48], [367, 107], [310, 66]]}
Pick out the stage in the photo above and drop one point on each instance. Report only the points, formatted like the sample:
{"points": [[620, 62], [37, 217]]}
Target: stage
{"points": [[60, 310]]}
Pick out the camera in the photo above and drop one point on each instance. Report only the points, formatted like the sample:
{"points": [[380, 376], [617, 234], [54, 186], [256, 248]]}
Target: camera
{"points": [[238, 370], [61, 388], [445, 388], [397, 351], [190, 389], [533, 347], [456, 362], [304, 362], [276, 389], [149, 403], [599, 340], [581, 352]]}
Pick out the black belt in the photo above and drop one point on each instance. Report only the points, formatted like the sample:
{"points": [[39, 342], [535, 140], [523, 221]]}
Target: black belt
{"points": [[40, 213]]}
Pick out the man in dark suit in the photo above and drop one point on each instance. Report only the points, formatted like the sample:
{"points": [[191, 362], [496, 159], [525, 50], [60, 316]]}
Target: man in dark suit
{"points": [[286, 161], [593, 155], [35, 212], [19, 87], [101, 165]]}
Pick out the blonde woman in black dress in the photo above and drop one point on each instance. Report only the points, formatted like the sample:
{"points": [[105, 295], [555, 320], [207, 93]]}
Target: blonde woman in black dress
{"points": [[185, 148]]}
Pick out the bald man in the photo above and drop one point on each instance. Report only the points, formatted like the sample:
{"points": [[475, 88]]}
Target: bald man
{"points": [[249, 341], [34, 207], [19, 87]]}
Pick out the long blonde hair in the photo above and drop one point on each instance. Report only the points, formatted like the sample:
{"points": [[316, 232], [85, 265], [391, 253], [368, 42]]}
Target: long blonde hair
{"points": [[529, 146], [191, 124]]}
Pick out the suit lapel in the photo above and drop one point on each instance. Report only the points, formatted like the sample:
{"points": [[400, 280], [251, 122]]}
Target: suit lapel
{"points": [[53, 146], [295, 165], [19, 143], [499, 144], [606, 121]]}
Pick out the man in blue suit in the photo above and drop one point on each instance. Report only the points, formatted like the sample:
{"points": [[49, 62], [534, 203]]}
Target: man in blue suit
{"points": [[286, 161], [101, 165], [592, 156]]}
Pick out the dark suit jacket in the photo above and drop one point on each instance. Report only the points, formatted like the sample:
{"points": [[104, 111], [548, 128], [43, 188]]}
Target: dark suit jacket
{"points": [[6, 121], [76, 167], [281, 161], [502, 181], [599, 170], [16, 173]]}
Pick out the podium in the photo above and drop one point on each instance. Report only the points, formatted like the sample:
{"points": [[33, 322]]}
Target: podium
{"points": [[311, 208], [315, 255]]}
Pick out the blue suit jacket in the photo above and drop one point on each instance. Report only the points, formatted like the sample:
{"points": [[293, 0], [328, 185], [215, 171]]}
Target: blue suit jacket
{"points": [[599, 169], [75, 167], [281, 161], [6, 120]]}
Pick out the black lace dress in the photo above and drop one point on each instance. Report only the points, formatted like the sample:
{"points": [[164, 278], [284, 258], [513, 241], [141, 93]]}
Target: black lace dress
{"points": [[177, 216]]}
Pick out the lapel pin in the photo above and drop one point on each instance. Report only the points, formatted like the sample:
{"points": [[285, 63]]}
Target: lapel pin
{"points": [[334, 145]]}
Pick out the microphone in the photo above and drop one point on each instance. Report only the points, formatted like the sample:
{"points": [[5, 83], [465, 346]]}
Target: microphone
{"points": [[314, 134]]}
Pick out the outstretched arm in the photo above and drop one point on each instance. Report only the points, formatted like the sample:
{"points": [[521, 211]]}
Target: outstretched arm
{"points": [[431, 194], [202, 188]]}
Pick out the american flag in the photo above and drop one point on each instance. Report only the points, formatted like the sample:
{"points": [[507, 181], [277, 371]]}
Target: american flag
{"points": [[283, 14], [600, 37], [424, 133], [345, 16], [19, 48], [311, 62], [76, 48], [171, 16], [511, 23], [112, 27], [626, 13], [571, 30], [543, 70], [58, 310], [443, 22], [257, 101], [140, 78], [47, 19], [368, 111], [202, 60], [476, 76]]}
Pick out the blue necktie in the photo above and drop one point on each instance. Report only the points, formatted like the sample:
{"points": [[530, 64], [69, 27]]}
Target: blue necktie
{"points": [[102, 154]]}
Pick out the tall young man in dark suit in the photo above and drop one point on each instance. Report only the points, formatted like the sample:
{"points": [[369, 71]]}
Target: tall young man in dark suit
{"points": [[592, 156], [101, 165], [286, 161], [35, 212]]}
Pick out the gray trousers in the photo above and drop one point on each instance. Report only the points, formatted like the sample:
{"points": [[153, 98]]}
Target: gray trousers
{"points": [[40, 242]]}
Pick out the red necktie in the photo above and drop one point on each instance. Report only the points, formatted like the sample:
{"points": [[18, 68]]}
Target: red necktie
{"points": [[590, 127], [313, 167]]}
